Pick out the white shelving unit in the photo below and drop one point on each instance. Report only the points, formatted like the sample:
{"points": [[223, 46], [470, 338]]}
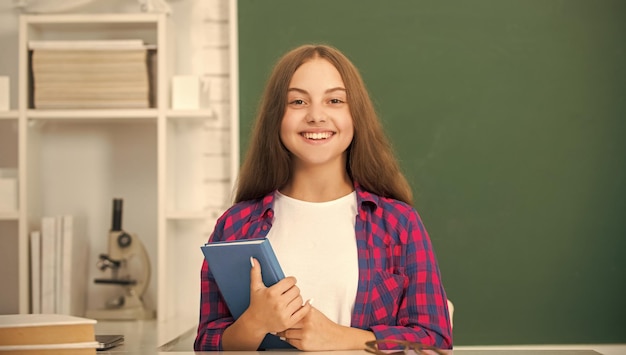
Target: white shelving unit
{"points": [[174, 169], [9, 217]]}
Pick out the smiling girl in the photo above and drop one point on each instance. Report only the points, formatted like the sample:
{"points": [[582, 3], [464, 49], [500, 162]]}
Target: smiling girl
{"points": [[321, 182]]}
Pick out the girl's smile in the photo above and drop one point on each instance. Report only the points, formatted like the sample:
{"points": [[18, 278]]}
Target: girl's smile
{"points": [[317, 136]]}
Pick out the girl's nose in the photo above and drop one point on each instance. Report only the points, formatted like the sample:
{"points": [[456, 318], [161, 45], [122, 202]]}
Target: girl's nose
{"points": [[315, 115]]}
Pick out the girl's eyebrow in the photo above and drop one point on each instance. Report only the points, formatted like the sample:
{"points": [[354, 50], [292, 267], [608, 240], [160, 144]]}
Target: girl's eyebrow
{"points": [[302, 91]]}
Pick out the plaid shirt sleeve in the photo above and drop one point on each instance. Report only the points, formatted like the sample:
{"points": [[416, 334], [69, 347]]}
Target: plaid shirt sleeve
{"points": [[214, 314], [251, 219], [400, 293]]}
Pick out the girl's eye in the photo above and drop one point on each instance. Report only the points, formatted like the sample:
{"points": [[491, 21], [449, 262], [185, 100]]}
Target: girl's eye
{"points": [[336, 101], [298, 102]]}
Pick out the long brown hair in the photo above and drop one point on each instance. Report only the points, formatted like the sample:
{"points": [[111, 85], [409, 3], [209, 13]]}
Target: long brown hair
{"points": [[371, 161]]}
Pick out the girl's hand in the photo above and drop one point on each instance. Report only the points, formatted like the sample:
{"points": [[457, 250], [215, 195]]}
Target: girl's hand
{"points": [[274, 308], [314, 332]]}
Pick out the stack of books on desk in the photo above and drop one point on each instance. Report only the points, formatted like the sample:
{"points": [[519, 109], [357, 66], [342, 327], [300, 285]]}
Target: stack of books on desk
{"points": [[47, 334], [91, 74]]}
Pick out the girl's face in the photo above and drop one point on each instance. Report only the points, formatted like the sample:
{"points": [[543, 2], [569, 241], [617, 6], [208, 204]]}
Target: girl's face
{"points": [[317, 126]]}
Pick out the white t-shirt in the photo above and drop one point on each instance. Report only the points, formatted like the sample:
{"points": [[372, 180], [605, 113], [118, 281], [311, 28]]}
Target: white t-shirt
{"points": [[316, 243]]}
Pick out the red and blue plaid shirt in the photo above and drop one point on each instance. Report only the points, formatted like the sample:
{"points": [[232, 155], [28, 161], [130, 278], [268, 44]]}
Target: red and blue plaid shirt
{"points": [[400, 294]]}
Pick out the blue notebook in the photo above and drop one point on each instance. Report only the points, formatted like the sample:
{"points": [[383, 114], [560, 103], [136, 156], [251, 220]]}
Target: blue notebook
{"points": [[230, 264]]}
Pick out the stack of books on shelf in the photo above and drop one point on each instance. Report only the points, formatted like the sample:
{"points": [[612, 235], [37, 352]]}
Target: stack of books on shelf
{"points": [[58, 257], [94, 74], [47, 334]]}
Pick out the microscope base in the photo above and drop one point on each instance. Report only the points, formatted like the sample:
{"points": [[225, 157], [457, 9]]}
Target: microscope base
{"points": [[128, 313]]}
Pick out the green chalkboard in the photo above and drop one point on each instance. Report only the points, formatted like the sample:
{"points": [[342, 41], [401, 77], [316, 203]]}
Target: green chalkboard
{"points": [[508, 117]]}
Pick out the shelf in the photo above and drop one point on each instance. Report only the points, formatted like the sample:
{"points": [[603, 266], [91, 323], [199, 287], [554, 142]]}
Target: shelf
{"points": [[115, 114], [100, 18], [9, 216], [112, 114], [8, 115], [77, 25]]}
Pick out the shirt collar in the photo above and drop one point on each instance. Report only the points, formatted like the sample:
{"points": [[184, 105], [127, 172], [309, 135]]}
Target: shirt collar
{"points": [[267, 205], [363, 198]]}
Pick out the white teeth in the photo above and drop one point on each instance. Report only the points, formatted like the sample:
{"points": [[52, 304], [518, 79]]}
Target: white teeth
{"points": [[317, 135]]}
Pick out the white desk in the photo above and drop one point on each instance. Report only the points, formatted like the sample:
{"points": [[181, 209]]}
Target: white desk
{"points": [[172, 338], [149, 336]]}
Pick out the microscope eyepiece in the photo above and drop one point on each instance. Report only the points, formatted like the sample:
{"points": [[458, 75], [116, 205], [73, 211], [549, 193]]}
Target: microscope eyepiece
{"points": [[116, 224]]}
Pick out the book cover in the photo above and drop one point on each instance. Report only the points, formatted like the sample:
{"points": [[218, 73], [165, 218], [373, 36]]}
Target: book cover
{"points": [[45, 329], [74, 278], [85, 348], [230, 264], [48, 264], [35, 271], [58, 272], [65, 272]]}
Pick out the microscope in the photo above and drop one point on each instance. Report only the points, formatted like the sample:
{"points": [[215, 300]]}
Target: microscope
{"points": [[126, 255]]}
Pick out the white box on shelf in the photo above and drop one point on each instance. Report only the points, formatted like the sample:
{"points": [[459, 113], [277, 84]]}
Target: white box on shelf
{"points": [[185, 92], [4, 93], [8, 194]]}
